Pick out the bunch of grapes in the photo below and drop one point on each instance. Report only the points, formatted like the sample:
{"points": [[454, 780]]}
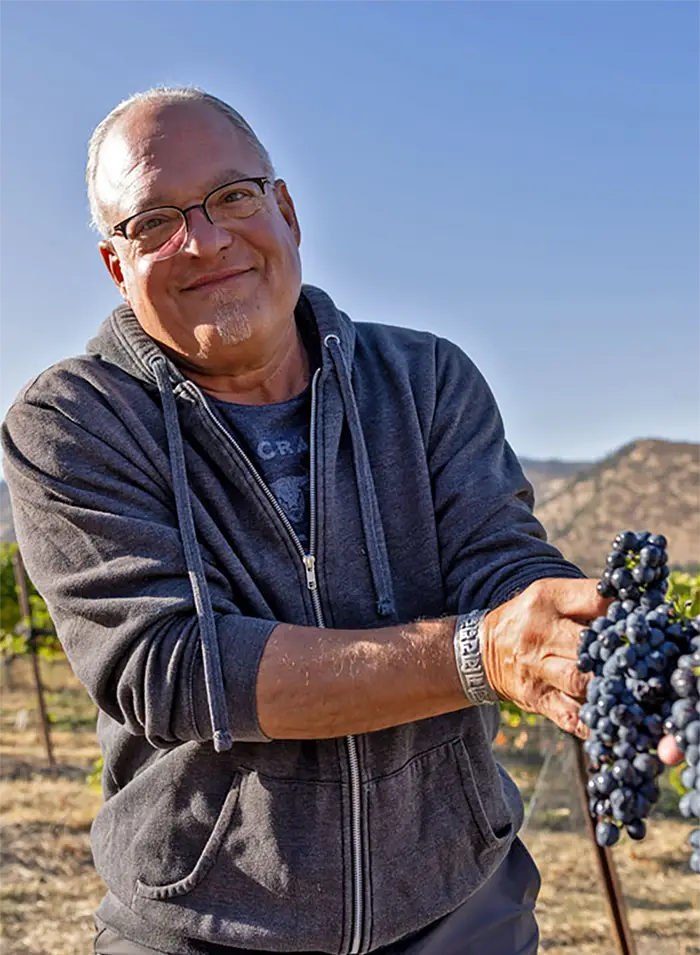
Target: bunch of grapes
{"points": [[684, 724], [633, 652]]}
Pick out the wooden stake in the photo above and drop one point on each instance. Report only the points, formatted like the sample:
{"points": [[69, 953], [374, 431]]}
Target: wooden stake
{"points": [[606, 865], [26, 611]]}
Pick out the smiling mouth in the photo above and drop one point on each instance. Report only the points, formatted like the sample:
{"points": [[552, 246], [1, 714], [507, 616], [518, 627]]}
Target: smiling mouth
{"points": [[216, 281]]}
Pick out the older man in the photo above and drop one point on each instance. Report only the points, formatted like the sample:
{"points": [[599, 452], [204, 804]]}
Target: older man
{"points": [[293, 560]]}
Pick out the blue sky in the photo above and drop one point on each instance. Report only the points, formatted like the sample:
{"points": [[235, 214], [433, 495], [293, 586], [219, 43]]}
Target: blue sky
{"points": [[520, 177]]}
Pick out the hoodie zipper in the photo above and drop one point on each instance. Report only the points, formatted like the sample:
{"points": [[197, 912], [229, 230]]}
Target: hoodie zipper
{"points": [[309, 562]]}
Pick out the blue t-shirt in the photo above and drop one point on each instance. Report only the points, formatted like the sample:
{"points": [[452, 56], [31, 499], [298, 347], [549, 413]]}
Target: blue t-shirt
{"points": [[276, 439]]}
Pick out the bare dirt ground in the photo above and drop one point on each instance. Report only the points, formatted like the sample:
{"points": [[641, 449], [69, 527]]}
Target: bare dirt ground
{"points": [[49, 887]]}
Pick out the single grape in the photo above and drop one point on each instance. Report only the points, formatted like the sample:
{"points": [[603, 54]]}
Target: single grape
{"points": [[636, 829], [607, 834]]}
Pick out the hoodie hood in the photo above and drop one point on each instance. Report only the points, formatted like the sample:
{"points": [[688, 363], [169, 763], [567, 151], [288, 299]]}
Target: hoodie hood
{"points": [[121, 341]]}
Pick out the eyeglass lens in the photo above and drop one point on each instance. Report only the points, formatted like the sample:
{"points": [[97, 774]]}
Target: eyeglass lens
{"points": [[161, 233]]}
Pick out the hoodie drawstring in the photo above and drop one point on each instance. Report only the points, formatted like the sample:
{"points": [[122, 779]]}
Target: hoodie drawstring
{"points": [[369, 512], [213, 676], [369, 507]]}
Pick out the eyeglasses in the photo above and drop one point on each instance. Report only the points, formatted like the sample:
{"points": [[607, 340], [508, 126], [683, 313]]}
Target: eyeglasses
{"points": [[162, 232]]}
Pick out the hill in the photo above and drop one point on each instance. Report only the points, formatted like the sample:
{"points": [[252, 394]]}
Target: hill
{"points": [[645, 485], [548, 477]]}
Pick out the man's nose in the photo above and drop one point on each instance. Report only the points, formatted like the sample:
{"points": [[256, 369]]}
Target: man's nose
{"points": [[203, 237]]}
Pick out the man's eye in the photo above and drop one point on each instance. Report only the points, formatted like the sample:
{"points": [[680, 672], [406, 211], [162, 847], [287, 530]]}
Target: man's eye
{"points": [[143, 226], [234, 195]]}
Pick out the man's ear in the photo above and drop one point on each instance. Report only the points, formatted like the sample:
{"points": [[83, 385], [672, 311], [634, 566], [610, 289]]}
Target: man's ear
{"points": [[286, 207], [114, 266]]}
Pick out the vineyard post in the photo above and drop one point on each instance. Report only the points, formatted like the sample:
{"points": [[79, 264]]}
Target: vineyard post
{"points": [[606, 865], [26, 611]]}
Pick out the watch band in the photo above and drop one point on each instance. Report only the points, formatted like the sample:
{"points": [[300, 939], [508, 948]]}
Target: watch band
{"points": [[467, 644]]}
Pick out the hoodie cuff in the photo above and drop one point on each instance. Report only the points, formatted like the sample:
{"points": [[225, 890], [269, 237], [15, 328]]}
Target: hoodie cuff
{"points": [[241, 644]]}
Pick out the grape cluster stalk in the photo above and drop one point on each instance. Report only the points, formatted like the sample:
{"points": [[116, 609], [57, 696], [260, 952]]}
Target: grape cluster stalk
{"points": [[634, 653]]}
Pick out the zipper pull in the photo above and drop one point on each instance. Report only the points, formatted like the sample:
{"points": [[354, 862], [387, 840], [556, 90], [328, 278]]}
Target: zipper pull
{"points": [[310, 565]]}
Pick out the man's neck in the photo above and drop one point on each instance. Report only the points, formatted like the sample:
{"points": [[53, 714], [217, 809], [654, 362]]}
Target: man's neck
{"points": [[277, 376]]}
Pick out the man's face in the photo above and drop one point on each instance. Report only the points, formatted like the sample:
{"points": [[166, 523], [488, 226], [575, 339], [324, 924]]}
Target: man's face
{"points": [[175, 155]]}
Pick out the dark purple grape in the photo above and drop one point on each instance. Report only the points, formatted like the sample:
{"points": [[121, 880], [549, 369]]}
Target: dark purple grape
{"points": [[585, 663], [606, 834], [650, 790], [624, 750], [692, 732], [684, 683], [626, 540], [616, 558], [589, 714], [647, 765], [636, 829], [688, 777]]}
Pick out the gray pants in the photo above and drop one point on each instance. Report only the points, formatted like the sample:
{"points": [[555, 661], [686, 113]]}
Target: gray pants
{"points": [[497, 920]]}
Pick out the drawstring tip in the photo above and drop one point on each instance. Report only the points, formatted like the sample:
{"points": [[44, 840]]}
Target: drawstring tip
{"points": [[222, 740], [385, 606]]}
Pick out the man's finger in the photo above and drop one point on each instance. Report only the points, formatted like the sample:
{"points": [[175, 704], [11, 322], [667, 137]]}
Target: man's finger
{"points": [[579, 599], [564, 639], [562, 710], [564, 675]]}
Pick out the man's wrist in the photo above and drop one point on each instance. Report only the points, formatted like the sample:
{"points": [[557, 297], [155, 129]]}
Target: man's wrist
{"points": [[470, 666]]}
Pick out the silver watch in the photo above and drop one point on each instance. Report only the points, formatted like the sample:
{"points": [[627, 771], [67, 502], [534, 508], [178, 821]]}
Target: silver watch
{"points": [[467, 644]]}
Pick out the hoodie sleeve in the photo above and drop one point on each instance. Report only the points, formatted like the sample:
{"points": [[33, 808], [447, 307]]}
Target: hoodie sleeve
{"points": [[100, 540], [491, 544]]}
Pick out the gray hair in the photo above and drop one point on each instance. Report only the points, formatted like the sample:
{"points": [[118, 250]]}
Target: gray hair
{"points": [[159, 96]]}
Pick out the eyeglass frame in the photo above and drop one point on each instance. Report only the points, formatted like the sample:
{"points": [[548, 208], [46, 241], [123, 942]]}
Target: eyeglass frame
{"points": [[261, 181]]}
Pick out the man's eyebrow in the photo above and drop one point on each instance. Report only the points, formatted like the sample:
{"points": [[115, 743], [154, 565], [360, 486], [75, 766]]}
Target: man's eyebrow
{"points": [[220, 179]]}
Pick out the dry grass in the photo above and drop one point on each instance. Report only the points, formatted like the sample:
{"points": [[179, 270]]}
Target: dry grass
{"points": [[50, 889], [660, 892]]}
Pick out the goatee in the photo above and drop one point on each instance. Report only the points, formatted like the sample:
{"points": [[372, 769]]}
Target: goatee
{"points": [[230, 319]]}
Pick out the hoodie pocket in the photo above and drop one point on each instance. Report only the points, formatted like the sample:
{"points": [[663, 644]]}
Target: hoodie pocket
{"points": [[269, 875], [486, 802], [437, 830], [204, 863]]}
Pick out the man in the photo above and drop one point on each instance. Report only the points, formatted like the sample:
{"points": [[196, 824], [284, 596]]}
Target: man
{"points": [[293, 560]]}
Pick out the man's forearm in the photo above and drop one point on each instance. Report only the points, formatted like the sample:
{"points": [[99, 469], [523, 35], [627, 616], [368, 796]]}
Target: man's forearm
{"points": [[317, 684]]}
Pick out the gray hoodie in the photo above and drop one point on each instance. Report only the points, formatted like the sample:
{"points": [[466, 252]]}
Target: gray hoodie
{"points": [[165, 562]]}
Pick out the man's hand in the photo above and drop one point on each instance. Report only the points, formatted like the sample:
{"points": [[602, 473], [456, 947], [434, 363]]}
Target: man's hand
{"points": [[530, 648]]}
